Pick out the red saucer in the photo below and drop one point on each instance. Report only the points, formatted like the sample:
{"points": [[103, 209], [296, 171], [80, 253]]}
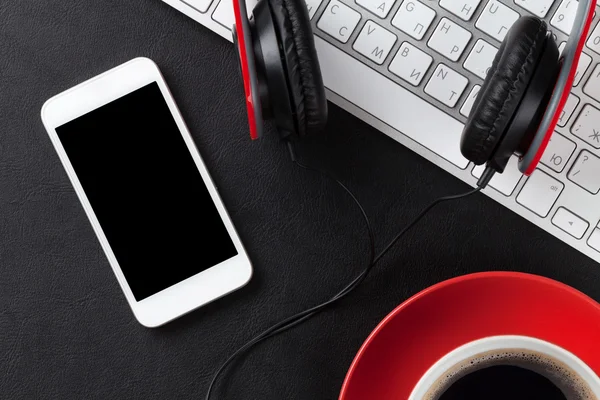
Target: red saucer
{"points": [[452, 313]]}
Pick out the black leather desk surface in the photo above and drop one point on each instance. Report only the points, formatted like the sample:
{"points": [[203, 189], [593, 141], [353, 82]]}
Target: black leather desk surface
{"points": [[65, 328]]}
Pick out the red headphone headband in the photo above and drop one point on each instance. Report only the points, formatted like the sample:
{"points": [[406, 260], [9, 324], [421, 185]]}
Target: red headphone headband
{"points": [[570, 60], [242, 37]]}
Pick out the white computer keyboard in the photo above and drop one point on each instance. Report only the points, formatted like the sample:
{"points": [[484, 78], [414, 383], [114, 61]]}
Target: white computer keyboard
{"points": [[413, 68]]}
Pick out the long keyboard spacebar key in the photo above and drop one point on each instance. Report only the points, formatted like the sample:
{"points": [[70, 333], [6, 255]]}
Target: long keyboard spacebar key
{"points": [[391, 103]]}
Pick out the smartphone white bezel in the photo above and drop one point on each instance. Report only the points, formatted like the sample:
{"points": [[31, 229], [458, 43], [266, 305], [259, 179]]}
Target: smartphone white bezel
{"points": [[195, 291]]}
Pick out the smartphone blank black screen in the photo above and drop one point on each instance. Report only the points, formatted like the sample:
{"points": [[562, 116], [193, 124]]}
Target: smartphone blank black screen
{"points": [[146, 191]]}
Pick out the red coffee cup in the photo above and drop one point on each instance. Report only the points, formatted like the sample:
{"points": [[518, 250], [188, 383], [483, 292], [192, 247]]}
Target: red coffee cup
{"points": [[443, 320]]}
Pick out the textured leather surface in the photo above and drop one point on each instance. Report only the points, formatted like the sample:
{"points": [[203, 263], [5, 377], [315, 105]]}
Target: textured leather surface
{"points": [[504, 87], [66, 331], [303, 71]]}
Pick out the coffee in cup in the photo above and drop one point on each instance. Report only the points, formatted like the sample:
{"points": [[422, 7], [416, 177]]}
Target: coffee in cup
{"points": [[525, 366]]}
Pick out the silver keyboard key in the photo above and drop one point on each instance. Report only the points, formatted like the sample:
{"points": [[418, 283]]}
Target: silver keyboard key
{"points": [[558, 153], [586, 172], [375, 42], [481, 58], [496, 19], [224, 12], [470, 101], [537, 7], [381, 8], [506, 182], [565, 16], [594, 240], [312, 6], [584, 63], [587, 126], [592, 87], [568, 110], [463, 9], [540, 193], [411, 64], [413, 18], [339, 21], [446, 85], [570, 223], [449, 39], [594, 39], [199, 5]]}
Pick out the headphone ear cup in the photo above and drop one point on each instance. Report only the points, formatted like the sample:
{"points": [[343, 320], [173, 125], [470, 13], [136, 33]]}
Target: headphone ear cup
{"points": [[503, 89], [301, 64]]}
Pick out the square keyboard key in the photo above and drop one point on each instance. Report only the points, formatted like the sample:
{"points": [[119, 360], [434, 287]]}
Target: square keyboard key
{"points": [[470, 101], [224, 12], [413, 18], [446, 85], [568, 110], [463, 9], [586, 172], [312, 6], [411, 64], [587, 126], [592, 87], [594, 240], [564, 17], [537, 7], [584, 63], [375, 42], [381, 8], [199, 5], [449, 39], [540, 193], [594, 39], [559, 151], [339, 21], [496, 19], [570, 223], [480, 59]]}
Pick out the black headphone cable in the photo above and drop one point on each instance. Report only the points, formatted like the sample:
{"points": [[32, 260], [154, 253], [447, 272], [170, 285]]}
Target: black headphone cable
{"points": [[302, 316]]}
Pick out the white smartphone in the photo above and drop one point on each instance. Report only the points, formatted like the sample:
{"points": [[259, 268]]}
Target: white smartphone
{"points": [[146, 191]]}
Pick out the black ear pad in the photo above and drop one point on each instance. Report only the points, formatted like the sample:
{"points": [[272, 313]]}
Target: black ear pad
{"points": [[504, 88], [297, 46]]}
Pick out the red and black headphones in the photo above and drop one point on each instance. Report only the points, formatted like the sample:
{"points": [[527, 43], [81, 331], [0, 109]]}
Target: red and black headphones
{"points": [[516, 110]]}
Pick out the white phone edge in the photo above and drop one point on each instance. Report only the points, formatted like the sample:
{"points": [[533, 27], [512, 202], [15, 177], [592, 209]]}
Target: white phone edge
{"points": [[196, 291]]}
